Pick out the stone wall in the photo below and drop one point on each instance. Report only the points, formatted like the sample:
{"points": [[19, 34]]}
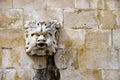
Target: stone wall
{"points": [[89, 44]]}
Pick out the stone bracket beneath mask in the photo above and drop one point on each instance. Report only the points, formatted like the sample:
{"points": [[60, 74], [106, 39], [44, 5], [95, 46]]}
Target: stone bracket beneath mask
{"points": [[41, 37]]}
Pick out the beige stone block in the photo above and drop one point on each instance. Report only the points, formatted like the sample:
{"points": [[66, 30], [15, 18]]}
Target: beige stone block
{"points": [[17, 58], [60, 4], [71, 38], [116, 38], [112, 4], [109, 19], [90, 4], [11, 18], [80, 19], [11, 38], [18, 74], [98, 59], [98, 38], [29, 4], [5, 4], [117, 14], [67, 59], [119, 58], [111, 74], [44, 15], [71, 74]]}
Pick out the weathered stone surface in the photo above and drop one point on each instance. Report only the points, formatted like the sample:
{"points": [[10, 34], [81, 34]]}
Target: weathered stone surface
{"points": [[5, 4], [98, 59], [71, 38], [111, 74], [29, 4], [117, 14], [98, 38], [90, 4], [119, 58], [60, 4], [109, 19], [112, 4], [71, 74], [67, 59], [11, 38], [18, 74], [116, 38], [80, 19], [11, 18], [44, 15], [1, 73], [17, 58]]}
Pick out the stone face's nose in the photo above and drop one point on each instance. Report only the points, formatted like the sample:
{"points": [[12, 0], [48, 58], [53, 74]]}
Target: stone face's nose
{"points": [[41, 38]]}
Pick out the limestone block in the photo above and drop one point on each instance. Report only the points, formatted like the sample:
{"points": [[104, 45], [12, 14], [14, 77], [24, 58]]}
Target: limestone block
{"points": [[67, 59], [109, 19], [116, 38], [29, 4], [44, 15], [11, 18], [98, 59], [71, 38], [5, 4], [111, 74], [17, 58], [98, 38], [18, 74], [80, 19], [11, 38], [112, 4], [60, 4], [71, 74], [90, 4], [119, 58]]}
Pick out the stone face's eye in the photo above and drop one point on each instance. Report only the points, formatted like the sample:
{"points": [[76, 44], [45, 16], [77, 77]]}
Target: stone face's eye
{"points": [[45, 24], [35, 34], [32, 34]]}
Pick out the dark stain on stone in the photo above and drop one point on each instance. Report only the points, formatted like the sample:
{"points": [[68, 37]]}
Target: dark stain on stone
{"points": [[49, 73]]}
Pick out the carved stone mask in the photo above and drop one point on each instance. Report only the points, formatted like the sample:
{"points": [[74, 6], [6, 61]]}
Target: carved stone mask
{"points": [[41, 37]]}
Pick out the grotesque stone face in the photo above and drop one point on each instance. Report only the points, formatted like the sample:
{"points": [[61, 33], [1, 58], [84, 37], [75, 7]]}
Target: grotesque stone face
{"points": [[41, 37]]}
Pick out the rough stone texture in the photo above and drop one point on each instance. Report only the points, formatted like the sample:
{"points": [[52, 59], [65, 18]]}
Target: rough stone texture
{"points": [[17, 58], [98, 59], [98, 38], [11, 38], [68, 36], [43, 15], [80, 19], [60, 4], [18, 74], [89, 44], [90, 4], [11, 18], [112, 4], [119, 57], [71, 74], [29, 4], [116, 38], [109, 19], [5, 4], [66, 59], [111, 74]]}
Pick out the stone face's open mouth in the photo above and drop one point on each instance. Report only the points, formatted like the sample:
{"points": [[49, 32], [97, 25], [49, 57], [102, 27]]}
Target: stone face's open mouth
{"points": [[42, 45]]}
